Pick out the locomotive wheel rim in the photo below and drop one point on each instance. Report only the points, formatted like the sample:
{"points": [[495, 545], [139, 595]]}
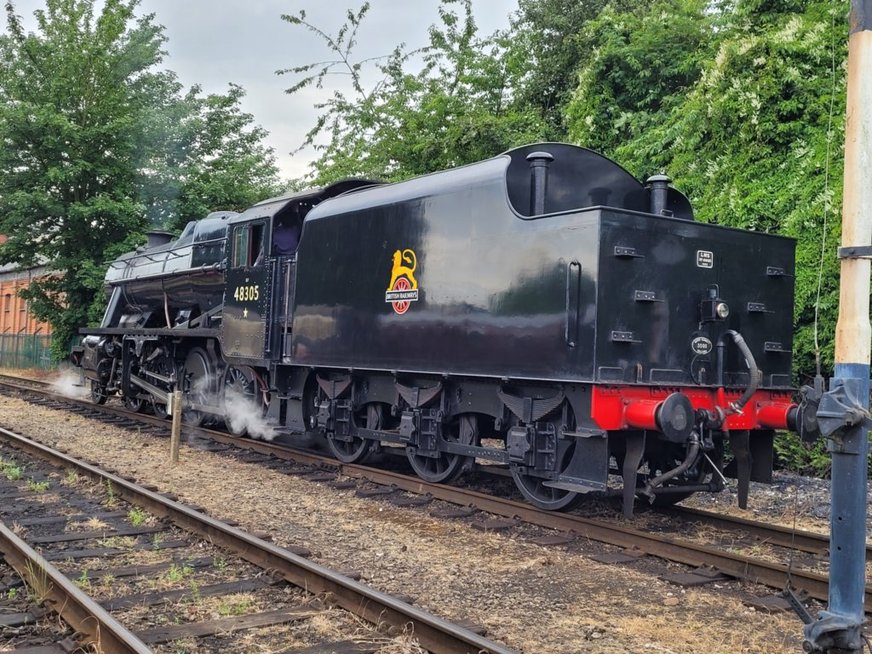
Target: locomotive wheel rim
{"points": [[358, 449], [436, 470], [545, 497], [164, 366], [240, 381], [98, 393], [134, 404], [196, 364]]}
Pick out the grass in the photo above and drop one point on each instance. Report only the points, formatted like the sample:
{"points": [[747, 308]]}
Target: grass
{"points": [[233, 608], [11, 470], [177, 573], [83, 581], [137, 516], [111, 497], [38, 486]]}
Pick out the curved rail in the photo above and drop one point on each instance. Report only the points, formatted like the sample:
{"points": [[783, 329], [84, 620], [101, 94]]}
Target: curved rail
{"points": [[432, 632]]}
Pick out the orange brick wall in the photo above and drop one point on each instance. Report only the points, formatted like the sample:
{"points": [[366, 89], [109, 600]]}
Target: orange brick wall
{"points": [[14, 316]]}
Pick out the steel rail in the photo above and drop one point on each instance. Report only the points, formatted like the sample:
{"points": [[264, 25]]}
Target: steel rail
{"points": [[434, 633], [805, 541], [78, 610]]}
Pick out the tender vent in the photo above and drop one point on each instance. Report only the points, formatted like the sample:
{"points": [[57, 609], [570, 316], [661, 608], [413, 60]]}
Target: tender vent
{"points": [[623, 337], [627, 252]]}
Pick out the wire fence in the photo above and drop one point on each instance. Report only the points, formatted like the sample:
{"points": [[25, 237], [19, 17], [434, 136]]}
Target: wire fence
{"points": [[26, 351]]}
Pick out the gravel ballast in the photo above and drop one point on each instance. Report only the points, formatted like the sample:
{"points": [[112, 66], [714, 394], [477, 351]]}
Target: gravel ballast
{"points": [[531, 598]]}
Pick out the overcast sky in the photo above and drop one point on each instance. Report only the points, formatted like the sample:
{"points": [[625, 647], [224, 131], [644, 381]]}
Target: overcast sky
{"points": [[214, 42]]}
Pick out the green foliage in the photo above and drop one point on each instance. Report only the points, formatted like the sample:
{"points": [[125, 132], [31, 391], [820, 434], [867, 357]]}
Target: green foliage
{"points": [[38, 486], [456, 109], [83, 581], [177, 573], [12, 471], [643, 62], [137, 516], [550, 41], [793, 454]]}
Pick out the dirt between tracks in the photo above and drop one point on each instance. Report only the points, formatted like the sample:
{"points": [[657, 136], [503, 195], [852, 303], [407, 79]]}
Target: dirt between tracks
{"points": [[533, 599]]}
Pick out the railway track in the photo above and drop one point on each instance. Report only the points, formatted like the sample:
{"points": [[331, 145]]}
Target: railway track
{"points": [[668, 547], [182, 528]]}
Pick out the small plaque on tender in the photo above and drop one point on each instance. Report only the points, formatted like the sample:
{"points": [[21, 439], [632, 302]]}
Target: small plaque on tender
{"points": [[705, 259]]}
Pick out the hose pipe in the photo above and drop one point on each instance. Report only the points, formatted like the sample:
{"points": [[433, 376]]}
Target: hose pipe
{"points": [[737, 406], [693, 448]]}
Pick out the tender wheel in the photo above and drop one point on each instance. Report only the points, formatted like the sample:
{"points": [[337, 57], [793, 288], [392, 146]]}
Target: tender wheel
{"points": [[533, 487], [197, 385], [445, 467], [356, 449], [241, 407], [98, 393]]}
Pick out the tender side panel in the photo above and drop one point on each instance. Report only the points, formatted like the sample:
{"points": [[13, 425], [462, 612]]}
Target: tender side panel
{"points": [[661, 273], [479, 289]]}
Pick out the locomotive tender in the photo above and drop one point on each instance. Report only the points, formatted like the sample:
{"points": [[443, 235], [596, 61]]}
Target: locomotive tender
{"points": [[542, 310]]}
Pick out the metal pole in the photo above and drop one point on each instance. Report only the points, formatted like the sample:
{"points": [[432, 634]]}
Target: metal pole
{"points": [[176, 433], [845, 406]]}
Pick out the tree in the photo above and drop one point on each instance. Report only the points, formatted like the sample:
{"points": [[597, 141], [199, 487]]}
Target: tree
{"points": [[548, 37], [641, 63], [220, 160], [75, 98], [457, 108], [98, 144]]}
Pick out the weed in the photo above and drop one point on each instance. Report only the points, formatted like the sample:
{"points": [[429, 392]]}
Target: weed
{"points": [[38, 486], [83, 581], [157, 539], [177, 573], [71, 478], [240, 607], [137, 516], [111, 498], [195, 591], [12, 593], [219, 563], [12, 471]]}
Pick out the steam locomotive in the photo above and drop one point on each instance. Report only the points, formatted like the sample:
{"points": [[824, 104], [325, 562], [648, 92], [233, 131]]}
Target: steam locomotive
{"points": [[541, 311]]}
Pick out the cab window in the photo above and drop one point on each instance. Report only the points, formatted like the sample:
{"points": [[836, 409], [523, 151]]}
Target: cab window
{"points": [[248, 245]]}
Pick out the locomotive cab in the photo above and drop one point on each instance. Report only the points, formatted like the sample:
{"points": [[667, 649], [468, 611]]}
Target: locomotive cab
{"points": [[261, 274]]}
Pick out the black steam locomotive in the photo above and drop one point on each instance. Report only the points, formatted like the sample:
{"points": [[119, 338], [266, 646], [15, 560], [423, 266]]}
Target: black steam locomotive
{"points": [[542, 311]]}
